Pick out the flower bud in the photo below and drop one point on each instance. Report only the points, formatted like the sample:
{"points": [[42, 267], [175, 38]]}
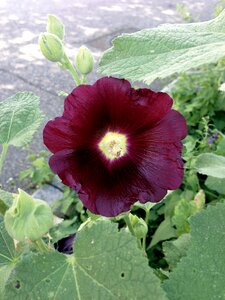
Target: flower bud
{"points": [[140, 228], [51, 47], [28, 218], [84, 61], [55, 26], [200, 200]]}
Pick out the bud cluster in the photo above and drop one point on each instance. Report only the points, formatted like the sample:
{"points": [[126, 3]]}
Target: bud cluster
{"points": [[52, 47]]}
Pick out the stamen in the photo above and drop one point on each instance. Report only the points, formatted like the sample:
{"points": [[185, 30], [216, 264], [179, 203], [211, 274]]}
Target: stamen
{"points": [[113, 145]]}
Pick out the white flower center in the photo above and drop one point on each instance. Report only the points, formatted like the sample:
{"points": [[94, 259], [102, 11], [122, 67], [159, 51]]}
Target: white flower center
{"points": [[113, 145]]}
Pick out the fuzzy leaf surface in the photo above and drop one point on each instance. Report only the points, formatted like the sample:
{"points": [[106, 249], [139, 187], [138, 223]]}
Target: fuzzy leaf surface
{"points": [[211, 164], [160, 52], [20, 117], [7, 257], [106, 264], [200, 275]]}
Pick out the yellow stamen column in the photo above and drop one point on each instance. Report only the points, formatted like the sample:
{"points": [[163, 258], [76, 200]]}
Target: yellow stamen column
{"points": [[113, 145]]}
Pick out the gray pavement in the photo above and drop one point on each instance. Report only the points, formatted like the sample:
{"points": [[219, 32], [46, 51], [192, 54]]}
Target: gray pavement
{"points": [[90, 22]]}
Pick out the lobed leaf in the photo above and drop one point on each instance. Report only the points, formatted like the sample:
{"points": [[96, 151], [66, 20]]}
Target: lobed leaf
{"points": [[106, 265]]}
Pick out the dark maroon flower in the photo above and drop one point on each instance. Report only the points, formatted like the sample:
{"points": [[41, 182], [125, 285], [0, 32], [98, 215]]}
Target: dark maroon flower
{"points": [[115, 145]]}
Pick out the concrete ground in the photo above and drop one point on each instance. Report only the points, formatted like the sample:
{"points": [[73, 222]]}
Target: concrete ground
{"points": [[90, 22]]}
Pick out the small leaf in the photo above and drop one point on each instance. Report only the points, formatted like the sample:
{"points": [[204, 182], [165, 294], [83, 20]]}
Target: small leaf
{"points": [[164, 232], [200, 275], [162, 51], [175, 250], [211, 164], [146, 206], [183, 210], [20, 117], [106, 264]]}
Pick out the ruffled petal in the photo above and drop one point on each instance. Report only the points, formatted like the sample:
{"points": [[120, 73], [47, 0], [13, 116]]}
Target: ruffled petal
{"points": [[58, 135], [171, 128], [157, 105]]}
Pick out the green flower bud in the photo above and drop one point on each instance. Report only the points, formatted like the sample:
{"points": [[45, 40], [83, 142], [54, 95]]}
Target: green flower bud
{"points": [[55, 26], [28, 218], [84, 61], [51, 47], [140, 228]]}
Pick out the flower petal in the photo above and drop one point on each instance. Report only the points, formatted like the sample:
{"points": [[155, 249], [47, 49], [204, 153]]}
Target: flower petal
{"points": [[58, 135]]}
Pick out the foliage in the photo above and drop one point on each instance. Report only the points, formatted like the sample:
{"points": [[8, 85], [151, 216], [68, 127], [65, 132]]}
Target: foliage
{"points": [[8, 257], [20, 117], [203, 267], [39, 172], [85, 274], [197, 95], [211, 164], [165, 50], [174, 250]]}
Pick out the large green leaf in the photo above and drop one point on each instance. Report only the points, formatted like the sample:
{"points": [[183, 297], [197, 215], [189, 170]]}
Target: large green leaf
{"points": [[200, 275], [106, 265], [211, 164], [167, 49], [7, 257], [20, 117]]}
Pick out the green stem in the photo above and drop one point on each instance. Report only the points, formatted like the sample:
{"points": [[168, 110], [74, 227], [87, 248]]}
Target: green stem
{"points": [[40, 245], [139, 244], [70, 67], [83, 78], [3, 154], [147, 211], [129, 225]]}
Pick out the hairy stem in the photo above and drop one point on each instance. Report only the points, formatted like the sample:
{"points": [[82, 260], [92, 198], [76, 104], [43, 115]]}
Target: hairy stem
{"points": [[3, 154], [67, 63], [129, 225], [40, 245]]}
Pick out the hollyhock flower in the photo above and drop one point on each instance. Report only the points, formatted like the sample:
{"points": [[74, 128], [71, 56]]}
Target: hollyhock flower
{"points": [[115, 145]]}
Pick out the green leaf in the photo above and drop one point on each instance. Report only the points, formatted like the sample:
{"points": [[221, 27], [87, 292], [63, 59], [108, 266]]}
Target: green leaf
{"points": [[183, 210], [64, 229], [6, 200], [7, 257], [175, 250], [216, 184], [164, 232], [162, 51], [106, 265], [146, 206], [200, 275], [211, 164], [20, 117]]}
